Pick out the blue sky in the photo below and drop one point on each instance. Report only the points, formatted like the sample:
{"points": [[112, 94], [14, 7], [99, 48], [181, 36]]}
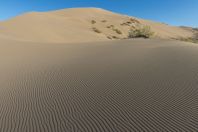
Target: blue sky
{"points": [[174, 12]]}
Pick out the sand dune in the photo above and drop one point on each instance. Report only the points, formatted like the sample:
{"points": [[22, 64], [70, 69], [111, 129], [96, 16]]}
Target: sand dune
{"points": [[75, 25], [50, 84], [130, 85]]}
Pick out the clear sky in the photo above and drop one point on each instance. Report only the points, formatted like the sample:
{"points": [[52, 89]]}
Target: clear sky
{"points": [[174, 12]]}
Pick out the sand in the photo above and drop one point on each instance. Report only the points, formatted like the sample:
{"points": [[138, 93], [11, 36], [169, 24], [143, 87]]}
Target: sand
{"points": [[117, 86], [75, 26]]}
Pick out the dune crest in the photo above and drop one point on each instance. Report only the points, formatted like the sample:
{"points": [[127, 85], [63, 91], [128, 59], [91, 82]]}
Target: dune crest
{"points": [[81, 25]]}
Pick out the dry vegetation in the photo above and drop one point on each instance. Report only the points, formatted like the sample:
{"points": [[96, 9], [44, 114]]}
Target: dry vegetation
{"points": [[96, 30], [109, 37], [117, 31], [141, 32], [130, 22], [115, 37], [193, 39], [110, 26], [134, 20], [126, 24], [114, 29], [93, 21], [104, 21]]}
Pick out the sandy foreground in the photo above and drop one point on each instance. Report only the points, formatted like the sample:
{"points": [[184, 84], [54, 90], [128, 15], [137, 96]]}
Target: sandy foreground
{"points": [[117, 86]]}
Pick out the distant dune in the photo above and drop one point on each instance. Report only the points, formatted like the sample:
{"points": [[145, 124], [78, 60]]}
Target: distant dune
{"points": [[79, 25]]}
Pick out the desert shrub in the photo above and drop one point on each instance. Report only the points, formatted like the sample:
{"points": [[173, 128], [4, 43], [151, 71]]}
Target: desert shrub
{"points": [[110, 26], [141, 32], [115, 37], [104, 21], [190, 39], [122, 24], [196, 34], [96, 30], [93, 21], [109, 37], [117, 31], [125, 24], [134, 20], [193, 39], [128, 22]]}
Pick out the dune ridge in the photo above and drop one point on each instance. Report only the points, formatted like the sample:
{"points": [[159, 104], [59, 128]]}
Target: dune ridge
{"points": [[75, 25]]}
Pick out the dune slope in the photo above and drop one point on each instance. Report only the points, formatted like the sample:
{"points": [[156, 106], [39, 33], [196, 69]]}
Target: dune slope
{"points": [[81, 25], [139, 85]]}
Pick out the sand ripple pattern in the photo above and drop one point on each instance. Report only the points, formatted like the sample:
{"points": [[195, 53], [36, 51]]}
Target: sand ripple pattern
{"points": [[119, 87]]}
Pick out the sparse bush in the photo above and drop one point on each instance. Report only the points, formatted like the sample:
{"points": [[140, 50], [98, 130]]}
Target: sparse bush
{"points": [[193, 39], [117, 31], [115, 37], [141, 32], [93, 21], [126, 24], [104, 21], [190, 39], [196, 34], [130, 22], [96, 30], [134, 20], [133, 27], [109, 37], [110, 26]]}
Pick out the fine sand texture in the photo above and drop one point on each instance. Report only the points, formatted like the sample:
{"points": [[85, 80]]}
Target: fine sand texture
{"points": [[117, 86], [78, 25]]}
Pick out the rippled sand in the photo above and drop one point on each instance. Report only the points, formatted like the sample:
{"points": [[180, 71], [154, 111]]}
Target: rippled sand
{"points": [[118, 86]]}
